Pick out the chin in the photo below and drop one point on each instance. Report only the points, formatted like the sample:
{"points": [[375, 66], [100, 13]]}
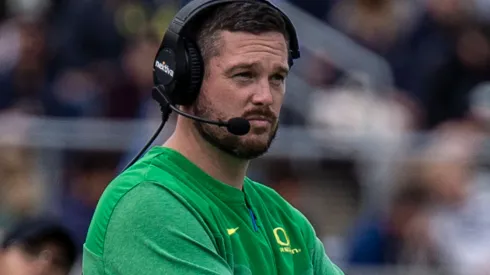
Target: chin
{"points": [[256, 141], [248, 153], [253, 146]]}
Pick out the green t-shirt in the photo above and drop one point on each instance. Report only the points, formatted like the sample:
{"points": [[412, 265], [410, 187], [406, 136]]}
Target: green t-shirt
{"points": [[164, 215]]}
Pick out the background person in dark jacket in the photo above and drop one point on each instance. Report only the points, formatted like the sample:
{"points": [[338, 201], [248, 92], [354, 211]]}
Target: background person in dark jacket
{"points": [[37, 247]]}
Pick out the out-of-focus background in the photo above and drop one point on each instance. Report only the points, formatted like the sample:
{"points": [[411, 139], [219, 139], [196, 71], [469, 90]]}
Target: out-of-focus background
{"points": [[383, 143]]}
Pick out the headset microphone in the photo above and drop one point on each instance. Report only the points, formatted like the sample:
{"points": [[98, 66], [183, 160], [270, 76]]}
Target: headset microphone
{"points": [[237, 125]]}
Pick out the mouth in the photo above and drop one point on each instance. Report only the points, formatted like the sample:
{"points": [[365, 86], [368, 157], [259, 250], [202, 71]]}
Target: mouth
{"points": [[260, 119], [260, 122]]}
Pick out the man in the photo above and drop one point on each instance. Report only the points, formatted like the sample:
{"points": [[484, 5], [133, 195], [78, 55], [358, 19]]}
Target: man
{"points": [[187, 207], [37, 246]]}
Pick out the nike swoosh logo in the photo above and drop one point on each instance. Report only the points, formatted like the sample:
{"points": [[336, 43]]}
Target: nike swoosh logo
{"points": [[232, 231]]}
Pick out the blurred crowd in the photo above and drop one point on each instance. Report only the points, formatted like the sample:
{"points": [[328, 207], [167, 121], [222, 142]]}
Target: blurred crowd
{"points": [[92, 59], [438, 51], [434, 213]]}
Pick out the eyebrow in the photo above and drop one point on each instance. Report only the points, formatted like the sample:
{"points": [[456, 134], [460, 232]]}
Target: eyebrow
{"points": [[241, 66]]}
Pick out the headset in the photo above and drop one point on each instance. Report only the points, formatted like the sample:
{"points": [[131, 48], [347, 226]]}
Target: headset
{"points": [[178, 68]]}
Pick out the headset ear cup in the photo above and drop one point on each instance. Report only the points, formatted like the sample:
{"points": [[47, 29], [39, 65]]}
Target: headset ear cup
{"points": [[196, 67], [195, 74]]}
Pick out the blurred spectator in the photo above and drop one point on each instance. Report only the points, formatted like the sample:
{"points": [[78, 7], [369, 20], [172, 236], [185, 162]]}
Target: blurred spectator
{"points": [[376, 24], [320, 72], [80, 42], [319, 9], [425, 49], [459, 225], [37, 246], [75, 92], [449, 161], [359, 111], [137, 80], [88, 173], [392, 238], [449, 89], [20, 194], [23, 77], [281, 177]]}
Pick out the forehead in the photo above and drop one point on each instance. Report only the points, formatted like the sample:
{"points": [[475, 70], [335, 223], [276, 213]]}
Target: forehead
{"points": [[239, 47]]}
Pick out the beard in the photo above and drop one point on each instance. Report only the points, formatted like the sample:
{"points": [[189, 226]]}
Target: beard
{"points": [[242, 147]]}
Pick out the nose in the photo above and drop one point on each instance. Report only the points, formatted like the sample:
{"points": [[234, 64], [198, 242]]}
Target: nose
{"points": [[262, 96]]}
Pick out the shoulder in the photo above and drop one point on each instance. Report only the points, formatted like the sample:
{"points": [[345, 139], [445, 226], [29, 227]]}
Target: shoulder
{"points": [[147, 224], [136, 199], [142, 182], [152, 207]]}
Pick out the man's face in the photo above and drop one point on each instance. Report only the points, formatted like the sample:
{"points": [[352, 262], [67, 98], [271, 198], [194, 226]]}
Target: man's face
{"points": [[247, 79], [17, 260]]}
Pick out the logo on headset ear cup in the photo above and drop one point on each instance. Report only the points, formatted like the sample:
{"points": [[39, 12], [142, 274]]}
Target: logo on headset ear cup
{"points": [[164, 66]]}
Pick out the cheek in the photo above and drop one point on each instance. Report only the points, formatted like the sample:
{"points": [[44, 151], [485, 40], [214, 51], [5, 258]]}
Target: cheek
{"points": [[221, 96], [278, 101]]}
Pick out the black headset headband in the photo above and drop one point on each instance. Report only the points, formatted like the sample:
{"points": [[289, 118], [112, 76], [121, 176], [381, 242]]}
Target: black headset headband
{"points": [[189, 12], [178, 64]]}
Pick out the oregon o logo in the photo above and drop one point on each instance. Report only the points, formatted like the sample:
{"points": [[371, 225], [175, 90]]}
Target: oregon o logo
{"points": [[282, 240]]}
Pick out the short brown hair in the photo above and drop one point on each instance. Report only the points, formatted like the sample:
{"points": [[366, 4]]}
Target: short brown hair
{"points": [[250, 17]]}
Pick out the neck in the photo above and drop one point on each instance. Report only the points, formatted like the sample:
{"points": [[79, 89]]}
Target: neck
{"points": [[218, 164]]}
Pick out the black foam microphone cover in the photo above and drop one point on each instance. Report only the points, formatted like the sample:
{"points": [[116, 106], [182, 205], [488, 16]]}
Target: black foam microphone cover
{"points": [[238, 126]]}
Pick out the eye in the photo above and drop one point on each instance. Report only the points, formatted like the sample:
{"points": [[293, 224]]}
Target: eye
{"points": [[278, 78], [243, 75]]}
